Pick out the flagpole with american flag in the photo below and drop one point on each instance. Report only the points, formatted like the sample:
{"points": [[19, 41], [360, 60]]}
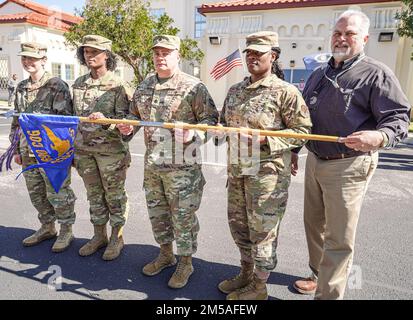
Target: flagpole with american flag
{"points": [[225, 65]]}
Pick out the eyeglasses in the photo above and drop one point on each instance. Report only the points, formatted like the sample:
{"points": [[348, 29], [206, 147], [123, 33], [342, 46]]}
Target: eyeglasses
{"points": [[334, 82]]}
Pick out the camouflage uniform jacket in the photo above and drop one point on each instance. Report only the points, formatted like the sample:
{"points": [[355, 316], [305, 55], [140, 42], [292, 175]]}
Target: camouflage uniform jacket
{"points": [[182, 98], [108, 95], [268, 104], [49, 95]]}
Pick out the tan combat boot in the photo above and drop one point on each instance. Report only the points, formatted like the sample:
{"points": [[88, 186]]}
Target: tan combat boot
{"points": [[164, 260], [46, 231], [183, 271], [239, 281], [99, 240], [115, 245], [64, 239], [255, 290]]}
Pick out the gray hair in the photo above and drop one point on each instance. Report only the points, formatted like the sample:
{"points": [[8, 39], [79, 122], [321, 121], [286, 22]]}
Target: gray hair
{"points": [[365, 21]]}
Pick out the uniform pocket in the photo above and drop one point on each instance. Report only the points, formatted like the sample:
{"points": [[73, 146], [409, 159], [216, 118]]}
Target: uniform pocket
{"points": [[359, 167], [374, 159]]}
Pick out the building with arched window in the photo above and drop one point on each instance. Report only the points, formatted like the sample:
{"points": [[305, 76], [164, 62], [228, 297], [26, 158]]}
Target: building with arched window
{"points": [[27, 21], [24, 21]]}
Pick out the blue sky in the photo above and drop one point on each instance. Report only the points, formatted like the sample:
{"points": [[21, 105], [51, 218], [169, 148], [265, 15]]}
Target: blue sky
{"points": [[65, 5]]}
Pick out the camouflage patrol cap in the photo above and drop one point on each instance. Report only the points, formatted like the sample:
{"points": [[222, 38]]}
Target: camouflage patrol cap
{"points": [[97, 42], [262, 41], [33, 49], [167, 41]]}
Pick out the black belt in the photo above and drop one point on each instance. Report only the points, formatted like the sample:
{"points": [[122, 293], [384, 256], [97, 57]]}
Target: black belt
{"points": [[337, 156]]}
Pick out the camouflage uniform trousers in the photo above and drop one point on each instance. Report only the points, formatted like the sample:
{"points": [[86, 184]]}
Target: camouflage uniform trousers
{"points": [[104, 177], [256, 205], [172, 198], [49, 204]]}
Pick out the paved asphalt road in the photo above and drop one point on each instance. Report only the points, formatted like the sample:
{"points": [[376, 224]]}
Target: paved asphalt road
{"points": [[383, 259]]}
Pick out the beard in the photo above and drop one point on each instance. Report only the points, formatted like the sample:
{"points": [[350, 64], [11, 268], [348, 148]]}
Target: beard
{"points": [[341, 54]]}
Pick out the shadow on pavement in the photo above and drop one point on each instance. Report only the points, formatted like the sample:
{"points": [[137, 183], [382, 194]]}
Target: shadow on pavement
{"points": [[87, 276], [396, 161]]}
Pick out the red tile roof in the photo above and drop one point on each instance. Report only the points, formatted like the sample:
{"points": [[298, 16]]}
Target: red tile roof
{"points": [[249, 5], [36, 19], [41, 16]]}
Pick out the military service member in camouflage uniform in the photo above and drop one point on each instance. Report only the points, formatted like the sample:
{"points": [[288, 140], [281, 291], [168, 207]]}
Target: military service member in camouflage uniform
{"points": [[102, 157], [173, 187], [42, 93], [257, 202]]}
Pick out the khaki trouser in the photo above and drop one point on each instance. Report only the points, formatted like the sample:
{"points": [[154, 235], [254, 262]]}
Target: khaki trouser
{"points": [[334, 192]]}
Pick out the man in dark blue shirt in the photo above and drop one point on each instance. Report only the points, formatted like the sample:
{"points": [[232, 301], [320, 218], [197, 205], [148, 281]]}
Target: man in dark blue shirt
{"points": [[359, 99]]}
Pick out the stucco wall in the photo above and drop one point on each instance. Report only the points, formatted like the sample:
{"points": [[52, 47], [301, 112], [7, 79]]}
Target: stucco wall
{"points": [[309, 29]]}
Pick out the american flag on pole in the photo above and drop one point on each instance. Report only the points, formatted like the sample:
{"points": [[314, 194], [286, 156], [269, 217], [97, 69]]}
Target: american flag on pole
{"points": [[225, 65]]}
